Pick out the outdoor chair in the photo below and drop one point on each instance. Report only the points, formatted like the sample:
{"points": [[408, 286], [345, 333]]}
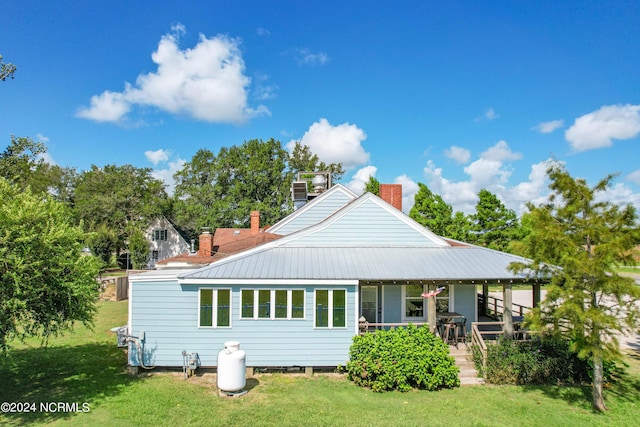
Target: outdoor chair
{"points": [[461, 330]]}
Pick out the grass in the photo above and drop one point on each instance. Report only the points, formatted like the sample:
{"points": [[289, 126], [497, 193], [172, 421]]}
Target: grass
{"points": [[86, 366]]}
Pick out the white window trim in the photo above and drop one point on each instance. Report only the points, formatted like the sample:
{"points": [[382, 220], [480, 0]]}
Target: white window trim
{"points": [[330, 317], [272, 304], [404, 307], [214, 308]]}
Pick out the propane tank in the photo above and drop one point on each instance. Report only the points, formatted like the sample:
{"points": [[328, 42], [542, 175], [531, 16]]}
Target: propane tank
{"points": [[231, 367]]}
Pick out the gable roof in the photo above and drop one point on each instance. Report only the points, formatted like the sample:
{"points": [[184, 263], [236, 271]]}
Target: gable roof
{"points": [[367, 240], [314, 211]]}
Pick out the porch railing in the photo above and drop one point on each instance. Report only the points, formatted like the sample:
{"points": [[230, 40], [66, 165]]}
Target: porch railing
{"points": [[495, 306], [481, 332]]}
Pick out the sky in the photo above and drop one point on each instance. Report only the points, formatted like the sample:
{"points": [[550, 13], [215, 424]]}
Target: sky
{"points": [[460, 96]]}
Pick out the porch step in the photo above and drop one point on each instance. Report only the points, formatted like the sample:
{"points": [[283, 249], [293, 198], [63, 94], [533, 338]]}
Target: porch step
{"points": [[464, 362]]}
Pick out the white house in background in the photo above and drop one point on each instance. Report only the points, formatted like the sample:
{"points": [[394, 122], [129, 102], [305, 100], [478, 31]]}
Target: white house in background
{"points": [[297, 300], [165, 241]]}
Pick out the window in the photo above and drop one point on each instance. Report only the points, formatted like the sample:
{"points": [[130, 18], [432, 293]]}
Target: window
{"points": [[297, 304], [415, 305], [414, 302], [215, 308], [272, 304], [155, 255], [331, 308], [442, 299], [369, 303], [160, 235], [264, 304], [246, 311]]}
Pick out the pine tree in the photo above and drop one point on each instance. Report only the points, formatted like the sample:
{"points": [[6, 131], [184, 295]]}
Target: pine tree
{"points": [[576, 240]]}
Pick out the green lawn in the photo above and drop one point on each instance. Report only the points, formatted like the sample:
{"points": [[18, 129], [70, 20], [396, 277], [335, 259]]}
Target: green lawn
{"points": [[86, 366]]}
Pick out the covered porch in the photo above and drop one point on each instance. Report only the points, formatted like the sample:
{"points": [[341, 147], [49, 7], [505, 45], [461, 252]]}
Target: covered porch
{"points": [[451, 311]]}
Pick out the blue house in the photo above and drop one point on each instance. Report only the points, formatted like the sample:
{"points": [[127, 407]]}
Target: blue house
{"points": [[297, 300]]}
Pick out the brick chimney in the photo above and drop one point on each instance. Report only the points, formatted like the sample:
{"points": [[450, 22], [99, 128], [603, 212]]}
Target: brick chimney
{"points": [[255, 222], [392, 194], [205, 243]]}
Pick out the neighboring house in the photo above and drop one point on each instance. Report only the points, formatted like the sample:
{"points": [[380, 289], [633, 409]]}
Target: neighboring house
{"points": [[297, 300], [165, 241], [222, 243]]}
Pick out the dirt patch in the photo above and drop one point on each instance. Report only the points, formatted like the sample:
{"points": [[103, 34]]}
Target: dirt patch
{"points": [[108, 292]]}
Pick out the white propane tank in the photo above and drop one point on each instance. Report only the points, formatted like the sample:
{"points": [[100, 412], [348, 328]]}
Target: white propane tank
{"points": [[231, 367]]}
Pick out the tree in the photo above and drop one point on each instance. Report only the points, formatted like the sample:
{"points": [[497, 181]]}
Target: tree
{"points": [[22, 163], [6, 70], [576, 240], [494, 226], [303, 160], [122, 198], [372, 186], [222, 190], [138, 249], [431, 210], [46, 283], [459, 228], [103, 244]]}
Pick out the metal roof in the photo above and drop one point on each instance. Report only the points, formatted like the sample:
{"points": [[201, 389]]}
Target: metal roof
{"points": [[366, 240], [441, 264]]}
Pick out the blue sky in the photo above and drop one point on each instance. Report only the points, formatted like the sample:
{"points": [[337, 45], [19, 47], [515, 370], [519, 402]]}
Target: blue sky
{"points": [[458, 95]]}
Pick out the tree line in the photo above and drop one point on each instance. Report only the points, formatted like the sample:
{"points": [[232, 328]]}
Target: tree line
{"points": [[115, 204]]}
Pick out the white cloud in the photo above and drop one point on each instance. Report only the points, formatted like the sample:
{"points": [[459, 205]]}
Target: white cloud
{"points": [[488, 116], [462, 196], [157, 156], [458, 154], [335, 144], [263, 32], [529, 191], [598, 128], [360, 178], [106, 107], [548, 127], [206, 82], [261, 89], [306, 57], [500, 152], [634, 177], [166, 174], [48, 158], [40, 137], [491, 171]]}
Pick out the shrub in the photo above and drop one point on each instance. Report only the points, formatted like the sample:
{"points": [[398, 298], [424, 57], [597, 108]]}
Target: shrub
{"points": [[545, 360], [401, 359]]}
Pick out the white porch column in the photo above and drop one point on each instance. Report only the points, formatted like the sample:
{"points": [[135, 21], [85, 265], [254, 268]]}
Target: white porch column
{"points": [[431, 313], [507, 315]]}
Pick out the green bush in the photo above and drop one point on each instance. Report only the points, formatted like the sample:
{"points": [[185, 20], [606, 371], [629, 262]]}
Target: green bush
{"points": [[401, 359], [546, 360]]}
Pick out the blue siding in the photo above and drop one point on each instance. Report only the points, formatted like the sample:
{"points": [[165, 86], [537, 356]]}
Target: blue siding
{"points": [[392, 309], [366, 224], [314, 213], [167, 313], [465, 300]]}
